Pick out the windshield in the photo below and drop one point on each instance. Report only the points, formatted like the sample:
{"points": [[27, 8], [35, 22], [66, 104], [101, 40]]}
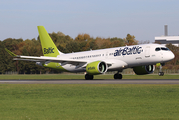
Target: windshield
{"points": [[162, 48]]}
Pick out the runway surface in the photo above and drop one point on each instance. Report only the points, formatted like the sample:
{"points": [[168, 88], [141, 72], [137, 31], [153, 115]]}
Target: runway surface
{"points": [[124, 81]]}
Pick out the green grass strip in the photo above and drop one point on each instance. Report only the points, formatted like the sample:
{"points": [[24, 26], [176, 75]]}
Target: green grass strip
{"points": [[88, 102]]}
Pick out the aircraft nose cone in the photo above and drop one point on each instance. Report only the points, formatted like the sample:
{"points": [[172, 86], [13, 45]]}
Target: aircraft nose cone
{"points": [[168, 56], [171, 56]]}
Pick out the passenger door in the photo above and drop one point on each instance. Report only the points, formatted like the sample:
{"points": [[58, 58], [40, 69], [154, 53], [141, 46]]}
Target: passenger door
{"points": [[147, 52]]}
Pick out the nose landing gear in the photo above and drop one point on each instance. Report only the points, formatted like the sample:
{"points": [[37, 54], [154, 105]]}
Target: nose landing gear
{"points": [[161, 73]]}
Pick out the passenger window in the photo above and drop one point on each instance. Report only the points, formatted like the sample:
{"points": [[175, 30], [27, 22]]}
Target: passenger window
{"points": [[157, 49]]}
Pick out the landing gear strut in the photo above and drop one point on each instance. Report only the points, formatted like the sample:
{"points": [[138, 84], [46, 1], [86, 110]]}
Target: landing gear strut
{"points": [[88, 77], [161, 73], [117, 76]]}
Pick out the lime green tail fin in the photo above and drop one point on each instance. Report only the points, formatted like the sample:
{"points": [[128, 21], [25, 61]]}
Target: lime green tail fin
{"points": [[48, 46]]}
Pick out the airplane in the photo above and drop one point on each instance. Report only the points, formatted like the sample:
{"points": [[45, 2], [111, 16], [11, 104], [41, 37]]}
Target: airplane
{"points": [[141, 58]]}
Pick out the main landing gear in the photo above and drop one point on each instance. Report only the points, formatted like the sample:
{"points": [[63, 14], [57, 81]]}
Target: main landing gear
{"points": [[88, 77], [117, 76]]}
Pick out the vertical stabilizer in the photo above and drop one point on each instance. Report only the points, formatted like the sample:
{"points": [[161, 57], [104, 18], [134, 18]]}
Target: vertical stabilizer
{"points": [[48, 46]]}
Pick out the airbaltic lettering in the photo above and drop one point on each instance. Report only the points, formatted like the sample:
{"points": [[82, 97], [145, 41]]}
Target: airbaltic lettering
{"points": [[128, 51], [91, 68], [48, 50]]}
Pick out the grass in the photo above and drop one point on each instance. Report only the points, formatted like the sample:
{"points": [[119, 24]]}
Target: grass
{"points": [[80, 76], [88, 102]]}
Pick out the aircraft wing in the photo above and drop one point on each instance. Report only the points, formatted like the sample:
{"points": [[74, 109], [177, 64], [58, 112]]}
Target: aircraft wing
{"points": [[45, 59], [112, 63]]}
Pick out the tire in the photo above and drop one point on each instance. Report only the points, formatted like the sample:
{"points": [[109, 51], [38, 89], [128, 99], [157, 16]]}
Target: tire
{"points": [[117, 76], [88, 77], [161, 73]]}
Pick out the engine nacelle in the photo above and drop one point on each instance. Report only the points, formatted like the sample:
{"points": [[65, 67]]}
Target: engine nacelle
{"points": [[97, 67], [142, 70]]}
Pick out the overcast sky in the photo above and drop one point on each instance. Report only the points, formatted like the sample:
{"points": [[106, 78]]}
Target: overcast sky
{"points": [[144, 19]]}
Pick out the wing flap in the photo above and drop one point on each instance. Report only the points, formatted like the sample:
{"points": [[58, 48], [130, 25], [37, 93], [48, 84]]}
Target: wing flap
{"points": [[28, 60]]}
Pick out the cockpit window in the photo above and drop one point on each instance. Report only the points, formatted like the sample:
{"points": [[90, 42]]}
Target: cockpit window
{"points": [[166, 49], [157, 49], [162, 48]]}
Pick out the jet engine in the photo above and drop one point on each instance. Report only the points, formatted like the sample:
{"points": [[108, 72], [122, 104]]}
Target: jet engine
{"points": [[97, 67], [142, 70]]}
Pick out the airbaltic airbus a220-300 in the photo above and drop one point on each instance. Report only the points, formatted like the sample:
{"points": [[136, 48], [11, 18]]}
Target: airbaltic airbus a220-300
{"points": [[142, 58]]}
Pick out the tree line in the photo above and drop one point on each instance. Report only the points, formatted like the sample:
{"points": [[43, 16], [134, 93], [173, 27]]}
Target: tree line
{"points": [[66, 44]]}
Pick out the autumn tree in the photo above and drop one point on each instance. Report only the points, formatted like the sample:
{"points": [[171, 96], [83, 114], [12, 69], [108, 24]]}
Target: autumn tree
{"points": [[82, 37], [175, 50], [5, 60], [130, 40], [73, 47], [117, 42], [66, 44]]}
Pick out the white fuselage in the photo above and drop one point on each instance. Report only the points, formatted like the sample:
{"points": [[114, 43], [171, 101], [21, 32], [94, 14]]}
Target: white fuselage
{"points": [[121, 57]]}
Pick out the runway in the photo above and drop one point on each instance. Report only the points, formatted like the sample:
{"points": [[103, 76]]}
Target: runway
{"points": [[124, 81]]}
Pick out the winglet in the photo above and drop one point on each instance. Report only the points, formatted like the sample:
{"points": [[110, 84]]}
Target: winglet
{"points": [[11, 53]]}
